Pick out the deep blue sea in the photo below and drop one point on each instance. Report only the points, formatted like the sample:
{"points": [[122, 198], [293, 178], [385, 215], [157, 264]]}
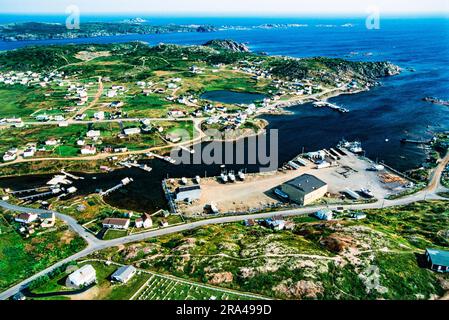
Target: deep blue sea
{"points": [[380, 118]]}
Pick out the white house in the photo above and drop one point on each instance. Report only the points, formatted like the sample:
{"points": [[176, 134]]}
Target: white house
{"points": [[51, 142], [88, 150], [131, 131], [144, 222], [116, 223], [84, 276], [99, 115], [28, 153], [111, 93], [26, 218], [93, 134], [9, 156]]}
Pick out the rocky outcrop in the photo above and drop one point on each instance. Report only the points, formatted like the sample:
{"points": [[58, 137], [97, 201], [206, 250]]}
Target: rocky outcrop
{"points": [[230, 45], [290, 68]]}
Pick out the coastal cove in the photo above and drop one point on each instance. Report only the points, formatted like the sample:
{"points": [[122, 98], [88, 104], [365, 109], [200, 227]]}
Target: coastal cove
{"points": [[379, 118]]}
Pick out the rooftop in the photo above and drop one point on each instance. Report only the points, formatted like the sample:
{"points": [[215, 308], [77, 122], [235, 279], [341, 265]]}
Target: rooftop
{"points": [[123, 272], [439, 257], [306, 183], [188, 188], [116, 221]]}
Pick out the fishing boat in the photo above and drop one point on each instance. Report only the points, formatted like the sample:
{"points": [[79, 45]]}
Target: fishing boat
{"points": [[213, 208], [169, 160], [224, 178], [354, 147], [231, 176], [367, 193]]}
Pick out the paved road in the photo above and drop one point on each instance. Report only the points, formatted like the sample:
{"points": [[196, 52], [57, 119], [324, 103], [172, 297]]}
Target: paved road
{"points": [[75, 122], [94, 244], [197, 126]]}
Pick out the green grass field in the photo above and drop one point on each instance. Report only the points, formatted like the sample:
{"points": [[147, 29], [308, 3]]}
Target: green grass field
{"points": [[20, 258], [316, 261]]}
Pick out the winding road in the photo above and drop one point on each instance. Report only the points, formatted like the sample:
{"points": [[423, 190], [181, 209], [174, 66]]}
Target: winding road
{"points": [[93, 244]]}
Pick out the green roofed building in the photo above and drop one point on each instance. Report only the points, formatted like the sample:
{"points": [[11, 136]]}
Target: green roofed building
{"points": [[438, 260]]}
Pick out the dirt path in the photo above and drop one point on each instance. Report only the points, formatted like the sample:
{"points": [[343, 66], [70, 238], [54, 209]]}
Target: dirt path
{"points": [[435, 181], [96, 98]]}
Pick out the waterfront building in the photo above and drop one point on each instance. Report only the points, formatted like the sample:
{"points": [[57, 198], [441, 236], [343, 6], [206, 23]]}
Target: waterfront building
{"points": [[188, 193], [305, 189]]}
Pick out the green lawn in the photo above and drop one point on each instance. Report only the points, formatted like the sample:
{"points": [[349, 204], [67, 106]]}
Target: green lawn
{"points": [[20, 258], [316, 261]]}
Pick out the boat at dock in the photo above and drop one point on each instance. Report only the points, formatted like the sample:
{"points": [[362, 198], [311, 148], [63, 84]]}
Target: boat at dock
{"points": [[213, 208], [224, 177], [322, 104], [169, 160], [166, 158], [354, 146], [231, 176], [241, 176], [354, 195], [124, 182], [146, 168], [367, 193], [191, 151], [197, 180]]}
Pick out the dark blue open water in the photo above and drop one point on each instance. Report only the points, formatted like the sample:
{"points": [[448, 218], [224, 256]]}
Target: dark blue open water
{"points": [[392, 111]]}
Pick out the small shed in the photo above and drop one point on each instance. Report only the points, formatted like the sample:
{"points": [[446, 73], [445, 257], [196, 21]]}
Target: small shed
{"points": [[438, 260], [124, 274]]}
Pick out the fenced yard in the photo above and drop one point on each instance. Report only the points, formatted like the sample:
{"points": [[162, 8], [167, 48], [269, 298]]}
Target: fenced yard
{"points": [[160, 287]]}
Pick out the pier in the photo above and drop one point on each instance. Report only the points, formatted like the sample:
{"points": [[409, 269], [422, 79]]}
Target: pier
{"points": [[167, 159], [425, 142], [71, 175], [191, 151], [168, 195], [29, 190], [40, 195], [123, 183], [144, 167], [320, 104]]}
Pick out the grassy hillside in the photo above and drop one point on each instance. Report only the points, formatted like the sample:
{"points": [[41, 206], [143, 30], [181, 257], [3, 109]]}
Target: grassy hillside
{"points": [[377, 258]]}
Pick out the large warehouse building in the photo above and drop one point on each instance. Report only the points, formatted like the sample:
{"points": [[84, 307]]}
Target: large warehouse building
{"points": [[303, 190]]}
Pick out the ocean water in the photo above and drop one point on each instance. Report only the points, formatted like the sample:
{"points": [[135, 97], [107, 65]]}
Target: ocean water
{"points": [[379, 118]]}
